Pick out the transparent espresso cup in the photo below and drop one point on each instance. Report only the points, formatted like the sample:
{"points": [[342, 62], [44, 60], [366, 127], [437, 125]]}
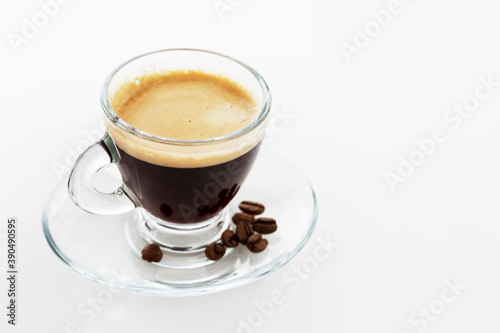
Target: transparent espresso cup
{"points": [[179, 190]]}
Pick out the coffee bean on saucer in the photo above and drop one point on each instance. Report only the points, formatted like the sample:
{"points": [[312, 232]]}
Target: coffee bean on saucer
{"points": [[256, 243], [228, 239], [215, 251], [265, 225], [244, 217], [243, 231], [152, 253], [251, 207]]}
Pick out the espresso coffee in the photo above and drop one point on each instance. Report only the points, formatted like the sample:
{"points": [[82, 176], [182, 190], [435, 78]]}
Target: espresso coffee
{"points": [[193, 183], [185, 194]]}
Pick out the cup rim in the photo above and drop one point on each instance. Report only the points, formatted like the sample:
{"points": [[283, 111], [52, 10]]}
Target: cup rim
{"points": [[120, 123]]}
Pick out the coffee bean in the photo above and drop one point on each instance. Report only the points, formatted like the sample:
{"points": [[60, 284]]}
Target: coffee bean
{"points": [[243, 217], [265, 225], [228, 239], [215, 251], [243, 231], [152, 253], [256, 243], [253, 208]]}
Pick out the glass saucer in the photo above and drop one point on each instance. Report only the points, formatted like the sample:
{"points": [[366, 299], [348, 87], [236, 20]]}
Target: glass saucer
{"points": [[97, 246]]}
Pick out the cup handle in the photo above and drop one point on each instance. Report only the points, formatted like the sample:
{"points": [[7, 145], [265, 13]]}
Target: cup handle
{"points": [[84, 195]]}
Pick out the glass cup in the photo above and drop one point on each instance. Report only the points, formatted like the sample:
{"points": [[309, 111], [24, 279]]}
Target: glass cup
{"points": [[180, 206]]}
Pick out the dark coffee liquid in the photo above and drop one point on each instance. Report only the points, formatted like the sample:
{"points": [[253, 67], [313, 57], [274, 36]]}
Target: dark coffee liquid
{"points": [[185, 195], [184, 105]]}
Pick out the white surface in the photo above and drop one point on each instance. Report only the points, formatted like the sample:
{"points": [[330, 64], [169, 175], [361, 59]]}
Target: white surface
{"points": [[352, 121]]}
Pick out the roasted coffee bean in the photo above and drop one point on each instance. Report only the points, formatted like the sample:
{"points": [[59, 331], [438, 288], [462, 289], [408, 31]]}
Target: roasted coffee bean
{"points": [[243, 217], [152, 253], [251, 207], [243, 231], [228, 239], [256, 243], [265, 225], [215, 251]]}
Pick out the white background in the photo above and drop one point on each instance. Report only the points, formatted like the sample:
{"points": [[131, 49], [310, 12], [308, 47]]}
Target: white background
{"points": [[352, 121]]}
